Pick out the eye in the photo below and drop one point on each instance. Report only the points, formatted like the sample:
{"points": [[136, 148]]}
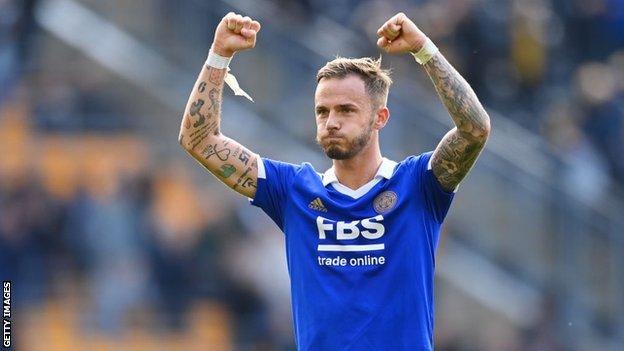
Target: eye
{"points": [[321, 112], [347, 109]]}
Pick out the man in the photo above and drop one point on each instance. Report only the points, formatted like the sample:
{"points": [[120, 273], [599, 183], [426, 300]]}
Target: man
{"points": [[360, 238]]}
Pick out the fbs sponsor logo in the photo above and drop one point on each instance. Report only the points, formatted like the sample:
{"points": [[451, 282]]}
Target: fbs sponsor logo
{"points": [[317, 204], [369, 228]]}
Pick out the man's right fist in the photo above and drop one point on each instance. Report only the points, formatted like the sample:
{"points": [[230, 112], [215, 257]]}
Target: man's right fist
{"points": [[235, 33]]}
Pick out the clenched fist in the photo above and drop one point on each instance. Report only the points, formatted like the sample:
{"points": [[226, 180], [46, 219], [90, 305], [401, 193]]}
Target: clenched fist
{"points": [[400, 35], [235, 33]]}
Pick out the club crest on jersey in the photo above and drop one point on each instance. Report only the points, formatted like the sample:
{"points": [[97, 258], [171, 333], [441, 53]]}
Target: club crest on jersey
{"points": [[385, 201], [317, 204]]}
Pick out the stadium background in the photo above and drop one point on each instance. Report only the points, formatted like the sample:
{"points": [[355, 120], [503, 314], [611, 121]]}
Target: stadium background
{"points": [[116, 240]]}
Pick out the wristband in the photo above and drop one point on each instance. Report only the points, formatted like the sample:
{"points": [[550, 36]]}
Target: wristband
{"points": [[217, 61], [426, 52], [221, 62]]}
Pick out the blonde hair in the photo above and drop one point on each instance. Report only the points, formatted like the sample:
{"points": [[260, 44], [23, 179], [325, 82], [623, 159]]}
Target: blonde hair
{"points": [[376, 79]]}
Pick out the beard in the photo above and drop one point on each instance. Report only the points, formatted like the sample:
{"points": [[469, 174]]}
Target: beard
{"points": [[353, 146]]}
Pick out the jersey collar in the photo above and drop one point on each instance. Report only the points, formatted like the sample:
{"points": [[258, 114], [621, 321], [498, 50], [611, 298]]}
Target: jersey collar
{"points": [[386, 169]]}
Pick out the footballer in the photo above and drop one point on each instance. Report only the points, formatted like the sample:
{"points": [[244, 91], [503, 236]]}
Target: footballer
{"points": [[360, 237]]}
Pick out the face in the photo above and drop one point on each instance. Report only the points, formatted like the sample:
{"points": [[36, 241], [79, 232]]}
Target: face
{"points": [[345, 120]]}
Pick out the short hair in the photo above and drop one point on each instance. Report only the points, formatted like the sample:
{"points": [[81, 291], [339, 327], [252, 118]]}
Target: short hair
{"points": [[376, 79]]}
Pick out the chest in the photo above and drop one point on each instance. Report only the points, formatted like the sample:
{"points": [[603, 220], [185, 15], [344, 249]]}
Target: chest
{"points": [[323, 218]]}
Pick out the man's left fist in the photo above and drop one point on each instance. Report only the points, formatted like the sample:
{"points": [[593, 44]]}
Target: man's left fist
{"points": [[400, 35]]}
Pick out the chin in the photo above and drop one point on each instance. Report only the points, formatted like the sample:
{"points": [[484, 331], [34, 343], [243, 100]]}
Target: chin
{"points": [[336, 153], [344, 149]]}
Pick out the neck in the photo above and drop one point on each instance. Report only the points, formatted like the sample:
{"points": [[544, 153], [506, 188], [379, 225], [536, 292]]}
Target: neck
{"points": [[361, 168]]}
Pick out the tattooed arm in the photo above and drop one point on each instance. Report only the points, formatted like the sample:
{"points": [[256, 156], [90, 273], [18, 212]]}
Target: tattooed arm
{"points": [[460, 147], [200, 134]]}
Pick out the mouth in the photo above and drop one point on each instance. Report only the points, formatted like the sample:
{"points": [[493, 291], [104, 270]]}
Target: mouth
{"points": [[333, 141], [333, 137]]}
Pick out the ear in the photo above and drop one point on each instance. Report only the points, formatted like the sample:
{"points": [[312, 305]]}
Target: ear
{"points": [[381, 117]]}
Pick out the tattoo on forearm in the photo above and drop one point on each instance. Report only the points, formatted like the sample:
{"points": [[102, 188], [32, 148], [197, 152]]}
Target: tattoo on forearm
{"points": [[458, 97], [459, 149], [216, 75], [199, 129], [213, 95], [225, 158], [202, 87], [198, 136], [196, 111]]}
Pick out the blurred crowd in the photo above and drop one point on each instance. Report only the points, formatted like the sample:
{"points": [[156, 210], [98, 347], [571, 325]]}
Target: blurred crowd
{"points": [[148, 238], [125, 240]]}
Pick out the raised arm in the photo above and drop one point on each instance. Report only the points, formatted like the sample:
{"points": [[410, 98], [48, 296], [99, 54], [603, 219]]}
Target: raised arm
{"points": [[200, 133], [459, 148]]}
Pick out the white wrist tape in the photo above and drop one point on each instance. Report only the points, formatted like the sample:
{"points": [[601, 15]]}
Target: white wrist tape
{"points": [[217, 61], [426, 52], [221, 62]]}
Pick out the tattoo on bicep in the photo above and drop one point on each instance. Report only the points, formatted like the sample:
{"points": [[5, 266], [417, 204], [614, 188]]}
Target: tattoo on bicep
{"points": [[249, 183], [454, 157], [227, 170], [236, 151], [244, 157], [244, 180]]}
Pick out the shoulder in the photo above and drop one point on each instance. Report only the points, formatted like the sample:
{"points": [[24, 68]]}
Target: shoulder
{"points": [[415, 164], [269, 168]]}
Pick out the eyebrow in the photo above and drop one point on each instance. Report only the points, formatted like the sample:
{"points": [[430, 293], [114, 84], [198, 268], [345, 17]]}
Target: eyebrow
{"points": [[340, 106], [347, 106]]}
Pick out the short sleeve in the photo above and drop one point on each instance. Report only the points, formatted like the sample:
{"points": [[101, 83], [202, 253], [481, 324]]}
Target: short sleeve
{"points": [[274, 180], [437, 200]]}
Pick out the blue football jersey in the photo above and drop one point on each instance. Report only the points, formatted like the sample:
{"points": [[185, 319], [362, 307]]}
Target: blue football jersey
{"points": [[361, 262]]}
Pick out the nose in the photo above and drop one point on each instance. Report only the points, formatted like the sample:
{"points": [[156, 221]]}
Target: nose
{"points": [[332, 122]]}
